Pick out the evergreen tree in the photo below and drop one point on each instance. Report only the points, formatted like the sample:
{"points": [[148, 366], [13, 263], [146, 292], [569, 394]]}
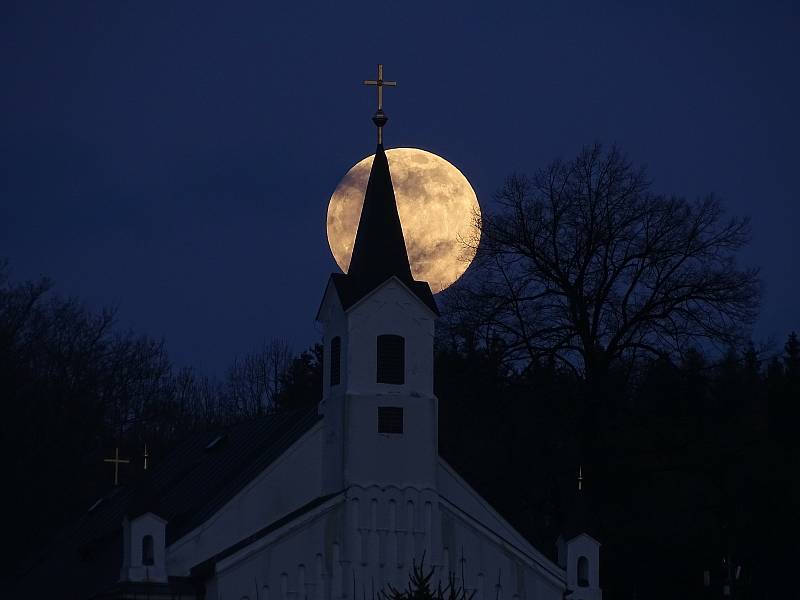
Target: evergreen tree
{"points": [[302, 381], [419, 587]]}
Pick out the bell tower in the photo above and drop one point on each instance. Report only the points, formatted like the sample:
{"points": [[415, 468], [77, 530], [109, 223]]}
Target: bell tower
{"points": [[380, 413]]}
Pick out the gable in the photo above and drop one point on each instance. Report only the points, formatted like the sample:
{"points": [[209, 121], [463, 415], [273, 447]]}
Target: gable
{"points": [[352, 291], [399, 289]]}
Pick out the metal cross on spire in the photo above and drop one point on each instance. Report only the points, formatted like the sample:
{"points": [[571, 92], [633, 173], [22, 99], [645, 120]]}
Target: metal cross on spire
{"points": [[380, 117], [117, 462]]}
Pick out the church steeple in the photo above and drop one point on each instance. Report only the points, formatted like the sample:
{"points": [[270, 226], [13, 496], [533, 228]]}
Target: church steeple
{"points": [[380, 412], [379, 251]]}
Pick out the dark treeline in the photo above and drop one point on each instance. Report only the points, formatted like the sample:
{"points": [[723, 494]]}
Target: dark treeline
{"points": [[74, 388], [693, 467], [602, 331]]}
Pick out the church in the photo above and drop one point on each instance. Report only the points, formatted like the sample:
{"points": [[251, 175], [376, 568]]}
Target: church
{"points": [[329, 503]]}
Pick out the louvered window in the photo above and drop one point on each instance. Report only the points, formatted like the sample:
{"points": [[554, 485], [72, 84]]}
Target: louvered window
{"points": [[391, 359], [336, 360], [390, 419], [583, 572], [148, 556]]}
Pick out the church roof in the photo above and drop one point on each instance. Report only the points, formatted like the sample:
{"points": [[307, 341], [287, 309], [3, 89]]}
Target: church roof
{"points": [[198, 478], [206, 568], [379, 251], [351, 291], [195, 480]]}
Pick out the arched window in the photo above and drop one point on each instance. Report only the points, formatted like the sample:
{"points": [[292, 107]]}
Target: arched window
{"points": [[391, 359], [147, 550], [583, 571], [336, 360]]}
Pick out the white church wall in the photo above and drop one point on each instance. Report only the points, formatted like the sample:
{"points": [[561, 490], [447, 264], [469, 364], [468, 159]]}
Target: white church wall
{"points": [[491, 566], [390, 309], [583, 567], [331, 406], [333, 410], [364, 540], [368, 540], [334, 319], [355, 451], [389, 528], [370, 457], [403, 459], [145, 530], [453, 488], [292, 563], [287, 484]]}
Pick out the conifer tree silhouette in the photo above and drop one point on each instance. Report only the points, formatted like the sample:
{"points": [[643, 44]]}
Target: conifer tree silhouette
{"points": [[419, 587]]}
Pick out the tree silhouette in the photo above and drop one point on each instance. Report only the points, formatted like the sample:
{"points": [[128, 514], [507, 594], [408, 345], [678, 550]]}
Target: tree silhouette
{"points": [[419, 587], [582, 262], [791, 358]]}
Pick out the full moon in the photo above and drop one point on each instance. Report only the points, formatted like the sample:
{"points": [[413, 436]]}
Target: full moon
{"points": [[437, 208]]}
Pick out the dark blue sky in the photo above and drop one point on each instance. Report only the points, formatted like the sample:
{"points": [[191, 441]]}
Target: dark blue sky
{"points": [[176, 158]]}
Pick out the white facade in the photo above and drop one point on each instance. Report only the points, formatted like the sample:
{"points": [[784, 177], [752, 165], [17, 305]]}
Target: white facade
{"points": [[580, 556], [375, 502], [144, 551]]}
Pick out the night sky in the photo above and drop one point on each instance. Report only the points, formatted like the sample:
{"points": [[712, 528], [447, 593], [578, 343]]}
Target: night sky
{"points": [[175, 159]]}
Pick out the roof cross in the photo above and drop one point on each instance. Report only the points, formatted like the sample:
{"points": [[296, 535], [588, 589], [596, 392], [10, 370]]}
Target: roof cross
{"points": [[146, 455], [380, 118], [117, 462]]}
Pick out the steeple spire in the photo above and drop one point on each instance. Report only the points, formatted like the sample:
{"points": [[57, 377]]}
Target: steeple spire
{"points": [[379, 251]]}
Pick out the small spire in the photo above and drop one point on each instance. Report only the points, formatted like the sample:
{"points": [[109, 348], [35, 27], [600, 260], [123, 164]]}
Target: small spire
{"points": [[380, 118]]}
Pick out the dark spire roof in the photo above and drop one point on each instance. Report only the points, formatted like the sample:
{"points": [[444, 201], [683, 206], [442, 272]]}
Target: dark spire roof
{"points": [[379, 251]]}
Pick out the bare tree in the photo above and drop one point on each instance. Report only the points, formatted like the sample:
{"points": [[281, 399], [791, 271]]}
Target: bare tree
{"points": [[256, 380], [583, 263]]}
